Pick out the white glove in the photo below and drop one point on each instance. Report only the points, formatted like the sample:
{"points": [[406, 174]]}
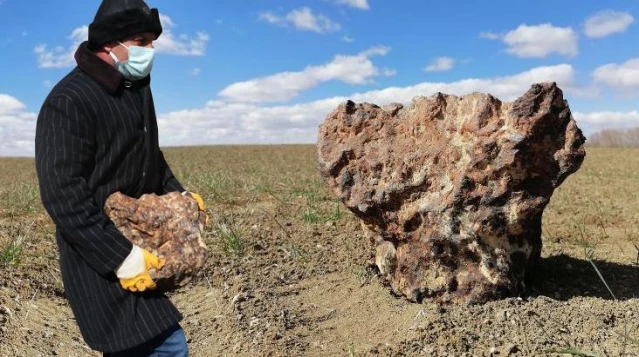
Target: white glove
{"points": [[133, 265]]}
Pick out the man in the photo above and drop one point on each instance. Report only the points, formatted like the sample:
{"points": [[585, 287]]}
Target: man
{"points": [[97, 134]]}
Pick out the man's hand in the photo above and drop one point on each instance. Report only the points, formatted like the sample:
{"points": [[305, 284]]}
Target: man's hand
{"points": [[200, 202], [134, 271]]}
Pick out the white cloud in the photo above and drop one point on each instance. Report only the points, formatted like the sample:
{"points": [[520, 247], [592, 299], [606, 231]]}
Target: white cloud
{"points": [[271, 18], [375, 51], [184, 45], [348, 39], [355, 69], [607, 22], [358, 4], [47, 84], [597, 121], [388, 72], [10, 105], [623, 76], [222, 122], [440, 64], [59, 56], [489, 35], [195, 71], [302, 19], [505, 88], [541, 41], [17, 128]]}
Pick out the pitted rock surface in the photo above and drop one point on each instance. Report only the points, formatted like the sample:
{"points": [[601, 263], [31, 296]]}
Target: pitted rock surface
{"points": [[169, 226], [452, 189]]}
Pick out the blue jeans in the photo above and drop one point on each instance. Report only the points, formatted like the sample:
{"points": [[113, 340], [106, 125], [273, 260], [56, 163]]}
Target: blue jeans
{"points": [[171, 343]]}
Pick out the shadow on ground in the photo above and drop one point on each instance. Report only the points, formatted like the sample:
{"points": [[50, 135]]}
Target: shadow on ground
{"points": [[563, 277]]}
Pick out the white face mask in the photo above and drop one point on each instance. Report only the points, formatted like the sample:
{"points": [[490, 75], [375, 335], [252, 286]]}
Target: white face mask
{"points": [[138, 65]]}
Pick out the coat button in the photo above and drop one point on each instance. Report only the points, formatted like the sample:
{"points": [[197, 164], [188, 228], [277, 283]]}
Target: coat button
{"points": [[127, 84], [143, 173], [145, 129]]}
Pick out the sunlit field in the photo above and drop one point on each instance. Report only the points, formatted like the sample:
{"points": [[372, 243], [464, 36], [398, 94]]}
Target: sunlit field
{"points": [[289, 273]]}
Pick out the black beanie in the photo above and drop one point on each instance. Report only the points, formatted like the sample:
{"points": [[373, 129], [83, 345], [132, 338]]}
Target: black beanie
{"points": [[117, 19]]}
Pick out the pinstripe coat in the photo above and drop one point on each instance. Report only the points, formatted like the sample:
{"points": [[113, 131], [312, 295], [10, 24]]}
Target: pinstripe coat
{"points": [[96, 134]]}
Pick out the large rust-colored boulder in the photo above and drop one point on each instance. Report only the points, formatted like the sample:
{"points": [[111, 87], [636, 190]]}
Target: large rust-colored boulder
{"points": [[169, 226], [452, 189]]}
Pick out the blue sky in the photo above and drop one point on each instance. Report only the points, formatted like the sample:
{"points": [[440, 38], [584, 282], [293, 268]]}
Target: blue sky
{"points": [[251, 71]]}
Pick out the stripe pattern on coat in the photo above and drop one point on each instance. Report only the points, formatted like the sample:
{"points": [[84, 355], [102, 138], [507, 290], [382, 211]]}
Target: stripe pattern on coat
{"points": [[97, 134]]}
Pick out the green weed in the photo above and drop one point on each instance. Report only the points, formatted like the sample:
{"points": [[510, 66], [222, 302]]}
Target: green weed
{"points": [[232, 240], [21, 199], [16, 232], [213, 186], [11, 253], [295, 252], [262, 187], [311, 215], [336, 214]]}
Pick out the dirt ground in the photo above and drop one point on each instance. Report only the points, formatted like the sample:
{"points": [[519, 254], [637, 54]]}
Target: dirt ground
{"points": [[289, 273]]}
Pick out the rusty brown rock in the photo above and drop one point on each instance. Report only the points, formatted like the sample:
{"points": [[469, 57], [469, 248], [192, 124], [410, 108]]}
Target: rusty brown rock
{"points": [[169, 226], [452, 189]]}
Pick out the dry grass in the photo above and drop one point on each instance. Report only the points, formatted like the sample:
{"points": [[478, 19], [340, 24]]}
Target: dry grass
{"points": [[595, 212], [599, 204]]}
